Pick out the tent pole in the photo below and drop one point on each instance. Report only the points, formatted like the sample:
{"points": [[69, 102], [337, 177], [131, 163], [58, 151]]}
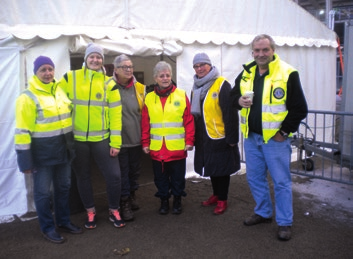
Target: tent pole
{"points": [[327, 12]]}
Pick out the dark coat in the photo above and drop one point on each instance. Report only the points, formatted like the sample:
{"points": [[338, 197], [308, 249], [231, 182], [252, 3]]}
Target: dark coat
{"points": [[217, 157]]}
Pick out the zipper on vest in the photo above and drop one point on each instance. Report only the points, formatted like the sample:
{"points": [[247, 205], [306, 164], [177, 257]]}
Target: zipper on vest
{"points": [[89, 104], [271, 93]]}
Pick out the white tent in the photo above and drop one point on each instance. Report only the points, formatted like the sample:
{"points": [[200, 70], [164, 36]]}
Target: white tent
{"points": [[148, 31]]}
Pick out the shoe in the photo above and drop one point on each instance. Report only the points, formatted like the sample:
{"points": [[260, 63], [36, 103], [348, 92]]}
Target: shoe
{"points": [[91, 220], [125, 209], [210, 201], [220, 208], [71, 228], [164, 209], [114, 216], [54, 237], [256, 219], [284, 233], [134, 205], [176, 205]]}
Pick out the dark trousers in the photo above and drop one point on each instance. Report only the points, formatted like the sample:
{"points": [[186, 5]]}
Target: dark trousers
{"points": [[220, 186], [130, 166], [169, 178], [108, 166]]}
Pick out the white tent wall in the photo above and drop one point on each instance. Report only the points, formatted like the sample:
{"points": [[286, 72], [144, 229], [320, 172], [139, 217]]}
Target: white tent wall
{"points": [[146, 30], [12, 191], [316, 67]]}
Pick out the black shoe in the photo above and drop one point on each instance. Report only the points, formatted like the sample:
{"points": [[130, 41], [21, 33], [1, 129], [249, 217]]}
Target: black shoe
{"points": [[134, 205], [177, 205], [256, 219], [54, 237], [125, 209], [284, 233], [164, 209], [71, 228]]}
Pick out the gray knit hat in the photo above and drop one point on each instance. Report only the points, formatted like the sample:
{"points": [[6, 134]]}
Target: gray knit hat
{"points": [[201, 58], [93, 48]]}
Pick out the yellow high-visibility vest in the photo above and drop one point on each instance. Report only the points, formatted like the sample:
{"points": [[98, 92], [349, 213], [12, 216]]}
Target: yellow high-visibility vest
{"points": [[97, 109], [274, 97], [212, 111], [167, 124]]}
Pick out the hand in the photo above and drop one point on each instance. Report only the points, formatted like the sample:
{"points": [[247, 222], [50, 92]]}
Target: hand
{"points": [[245, 101], [278, 137], [188, 148], [114, 151], [146, 150], [29, 171]]}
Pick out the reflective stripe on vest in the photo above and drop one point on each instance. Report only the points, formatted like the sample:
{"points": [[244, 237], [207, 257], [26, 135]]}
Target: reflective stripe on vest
{"points": [[40, 119]]}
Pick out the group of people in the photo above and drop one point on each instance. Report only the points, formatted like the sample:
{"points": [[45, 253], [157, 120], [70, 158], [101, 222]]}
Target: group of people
{"points": [[63, 124]]}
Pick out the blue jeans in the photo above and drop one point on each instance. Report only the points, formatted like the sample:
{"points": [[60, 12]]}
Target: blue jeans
{"points": [[107, 165], [60, 177], [275, 157], [169, 178], [130, 166]]}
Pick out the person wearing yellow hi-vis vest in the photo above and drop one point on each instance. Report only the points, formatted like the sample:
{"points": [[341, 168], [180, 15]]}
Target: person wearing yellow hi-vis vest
{"points": [[167, 135], [272, 104], [97, 131], [132, 100], [217, 133], [44, 147]]}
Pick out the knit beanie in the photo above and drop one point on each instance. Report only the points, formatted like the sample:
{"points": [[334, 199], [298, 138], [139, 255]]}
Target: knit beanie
{"points": [[40, 61], [93, 48], [201, 58]]}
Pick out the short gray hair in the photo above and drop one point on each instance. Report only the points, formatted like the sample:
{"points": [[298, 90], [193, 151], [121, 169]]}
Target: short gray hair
{"points": [[120, 59], [162, 65], [261, 37]]}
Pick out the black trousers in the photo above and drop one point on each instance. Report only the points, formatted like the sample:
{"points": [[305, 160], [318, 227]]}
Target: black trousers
{"points": [[220, 186]]}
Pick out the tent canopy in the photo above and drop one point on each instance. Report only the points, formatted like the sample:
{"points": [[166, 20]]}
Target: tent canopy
{"points": [[202, 21]]}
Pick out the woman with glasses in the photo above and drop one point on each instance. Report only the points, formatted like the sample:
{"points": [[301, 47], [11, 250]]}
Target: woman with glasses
{"points": [[217, 131], [132, 99], [167, 135]]}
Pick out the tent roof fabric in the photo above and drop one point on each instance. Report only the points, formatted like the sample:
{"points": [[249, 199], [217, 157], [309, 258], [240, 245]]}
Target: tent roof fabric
{"points": [[229, 22]]}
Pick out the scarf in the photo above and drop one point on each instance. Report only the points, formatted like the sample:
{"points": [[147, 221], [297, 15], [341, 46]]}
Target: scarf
{"points": [[163, 92], [200, 89], [130, 83]]}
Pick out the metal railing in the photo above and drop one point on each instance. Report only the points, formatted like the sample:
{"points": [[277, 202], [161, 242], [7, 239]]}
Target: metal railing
{"points": [[322, 147]]}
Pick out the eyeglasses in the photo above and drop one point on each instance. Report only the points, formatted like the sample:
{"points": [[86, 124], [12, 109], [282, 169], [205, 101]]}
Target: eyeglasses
{"points": [[126, 68], [199, 66]]}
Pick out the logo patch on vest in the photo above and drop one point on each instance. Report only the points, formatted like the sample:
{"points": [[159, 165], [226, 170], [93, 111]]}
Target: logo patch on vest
{"points": [[98, 95], [278, 93], [177, 103], [214, 95]]}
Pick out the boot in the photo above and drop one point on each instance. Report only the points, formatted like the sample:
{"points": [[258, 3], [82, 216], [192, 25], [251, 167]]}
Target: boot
{"points": [[210, 201], [134, 205], [177, 205], [164, 209], [125, 209], [220, 208]]}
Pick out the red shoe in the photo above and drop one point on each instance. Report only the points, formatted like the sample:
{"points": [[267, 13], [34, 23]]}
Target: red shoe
{"points": [[211, 201], [220, 208]]}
